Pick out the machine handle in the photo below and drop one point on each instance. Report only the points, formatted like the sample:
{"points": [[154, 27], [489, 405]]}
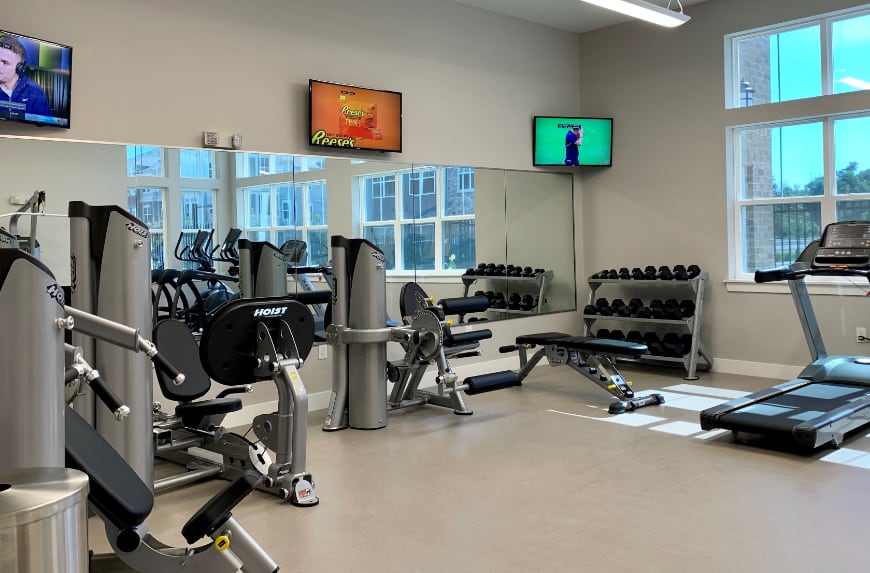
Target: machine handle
{"points": [[507, 349], [162, 364], [108, 396], [773, 275]]}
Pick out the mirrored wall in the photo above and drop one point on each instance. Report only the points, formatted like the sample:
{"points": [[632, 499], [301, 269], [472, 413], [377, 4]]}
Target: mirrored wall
{"points": [[455, 230]]}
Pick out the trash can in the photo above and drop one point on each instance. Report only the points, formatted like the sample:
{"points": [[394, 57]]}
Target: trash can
{"points": [[43, 520]]}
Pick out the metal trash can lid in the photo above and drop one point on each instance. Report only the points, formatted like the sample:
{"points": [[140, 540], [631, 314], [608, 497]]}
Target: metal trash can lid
{"points": [[33, 494]]}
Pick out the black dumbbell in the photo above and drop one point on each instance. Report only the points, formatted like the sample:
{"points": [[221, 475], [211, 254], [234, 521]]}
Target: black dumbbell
{"points": [[688, 307], [693, 270], [649, 273], [605, 310], [665, 274], [481, 267], [499, 301], [528, 272], [672, 344], [644, 312], [617, 303], [517, 272], [617, 335], [603, 333], [601, 302], [529, 302], [624, 274], [634, 336], [673, 310], [656, 303], [624, 310], [637, 274], [590, 309], [635, 304], [612, 274], [540, 271], [513, 301], [479, 293], [652, 341], [680, 273]]}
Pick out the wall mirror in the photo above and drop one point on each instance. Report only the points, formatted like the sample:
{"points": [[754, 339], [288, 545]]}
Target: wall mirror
{"points": [[433, 222]]}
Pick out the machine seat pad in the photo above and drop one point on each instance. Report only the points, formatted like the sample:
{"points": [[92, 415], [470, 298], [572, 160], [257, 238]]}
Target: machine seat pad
{"points": [[217, 510], [178, 345], [203, 408], [586, 344], [115, 489], [543, 338], [460, 338]]}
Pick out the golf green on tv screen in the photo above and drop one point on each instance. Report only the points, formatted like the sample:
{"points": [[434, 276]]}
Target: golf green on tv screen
{"points": [[573, 141]]}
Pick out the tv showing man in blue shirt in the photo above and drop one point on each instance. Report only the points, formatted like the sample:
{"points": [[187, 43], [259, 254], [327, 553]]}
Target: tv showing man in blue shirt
{"points": [[20, 97]]}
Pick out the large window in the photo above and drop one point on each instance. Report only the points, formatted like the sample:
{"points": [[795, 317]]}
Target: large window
{"points": [[423, 219], [289, 211], [829, 54], [144, 161], [786, 191], [197, 213], [146, 204], [196, 163]]}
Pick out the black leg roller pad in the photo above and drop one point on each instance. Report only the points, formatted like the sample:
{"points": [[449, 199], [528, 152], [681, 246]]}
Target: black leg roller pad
{"points": [[490, 382]]}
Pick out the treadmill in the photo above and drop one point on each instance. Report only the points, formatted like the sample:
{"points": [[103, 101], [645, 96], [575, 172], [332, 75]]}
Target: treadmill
{"points": [[831, 396]]}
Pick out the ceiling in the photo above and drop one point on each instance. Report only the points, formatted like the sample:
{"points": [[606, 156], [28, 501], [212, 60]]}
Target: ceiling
{"points": [[572, 15]]}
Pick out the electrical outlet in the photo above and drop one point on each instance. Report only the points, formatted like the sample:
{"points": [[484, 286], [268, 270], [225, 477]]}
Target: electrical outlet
{"points": [[861, 334], [322, 351]]}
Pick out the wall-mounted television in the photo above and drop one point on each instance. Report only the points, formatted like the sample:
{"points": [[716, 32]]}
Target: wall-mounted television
{"points": [[352, 117], [573, 141], [35, 80]]}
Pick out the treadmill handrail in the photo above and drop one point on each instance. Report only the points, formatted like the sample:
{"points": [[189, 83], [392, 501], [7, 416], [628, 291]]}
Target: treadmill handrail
{"points": [[792, 274]]}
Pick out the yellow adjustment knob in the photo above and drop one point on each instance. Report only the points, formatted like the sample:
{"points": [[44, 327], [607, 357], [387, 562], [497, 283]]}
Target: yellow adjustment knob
{"points": [[449, 322], [222, 543], [431, 299]]}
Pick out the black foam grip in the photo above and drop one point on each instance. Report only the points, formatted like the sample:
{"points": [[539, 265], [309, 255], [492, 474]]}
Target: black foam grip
{"points": [[69, 375], [508, 349], [457, 338], [464, 304], [106, 394], [771, 275], [312, 297], [490, 382], [217, 510], [165, 366]]}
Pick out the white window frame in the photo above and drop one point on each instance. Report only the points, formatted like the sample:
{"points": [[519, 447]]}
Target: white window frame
{"points": [[161, 231], [825, 23], [400, 220]]}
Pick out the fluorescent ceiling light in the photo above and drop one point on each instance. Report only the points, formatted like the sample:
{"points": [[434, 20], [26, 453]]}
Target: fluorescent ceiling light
{"points": [[644, 11]]}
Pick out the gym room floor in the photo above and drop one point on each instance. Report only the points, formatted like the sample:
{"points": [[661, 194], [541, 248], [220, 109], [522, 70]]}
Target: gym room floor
{"points": [[542, 479]]}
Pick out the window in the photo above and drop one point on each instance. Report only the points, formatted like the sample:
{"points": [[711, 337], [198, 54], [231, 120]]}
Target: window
{"points": [[196, 163], [786, 192], [197, 213], [257, 164], [434, 229], [289, 211], [144, 161], [146, 204], [808, 58]]}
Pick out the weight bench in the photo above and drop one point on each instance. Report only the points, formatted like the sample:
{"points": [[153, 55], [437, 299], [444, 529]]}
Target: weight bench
{"points": [[123, 501], [589, 356]]}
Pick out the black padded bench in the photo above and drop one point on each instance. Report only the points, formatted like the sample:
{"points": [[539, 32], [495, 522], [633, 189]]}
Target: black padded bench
{"points": [[586, 344]]}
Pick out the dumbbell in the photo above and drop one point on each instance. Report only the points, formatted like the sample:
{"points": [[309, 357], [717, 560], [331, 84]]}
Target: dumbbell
{"points": [[528, 302], [673, 310], [688, 307], [481, 269], [612, 274], [540, 271], [516, 272], [617, 335], [652, 341], [693, 270], [649, 273], [634, 304], [644, 312], [513, 301], [590, 309], [680, 273], [499, 301], [637, 274], [624, 274], [672, 344], [602, 333], [634, 336], [665, 274], [528, 272], [657, 309]]}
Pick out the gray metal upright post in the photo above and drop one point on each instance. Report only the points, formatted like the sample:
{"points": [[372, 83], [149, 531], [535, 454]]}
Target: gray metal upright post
{"points": [[82, 285], [31, 364], [120, 255], [262, 269]]}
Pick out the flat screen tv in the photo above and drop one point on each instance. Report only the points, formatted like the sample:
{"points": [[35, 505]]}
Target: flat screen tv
{"points": [[35, 79], [352, 117], [573, 141]]}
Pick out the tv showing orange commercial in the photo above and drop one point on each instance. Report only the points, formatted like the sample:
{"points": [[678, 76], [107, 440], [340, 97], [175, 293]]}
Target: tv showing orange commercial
{"points": [[352, 117]]}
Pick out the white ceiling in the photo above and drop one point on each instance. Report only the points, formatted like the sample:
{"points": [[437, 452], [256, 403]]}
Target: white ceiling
{"points": [[572, 15]]}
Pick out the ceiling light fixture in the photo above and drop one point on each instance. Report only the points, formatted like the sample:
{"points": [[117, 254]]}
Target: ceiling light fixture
{"points": [[645, 11]]}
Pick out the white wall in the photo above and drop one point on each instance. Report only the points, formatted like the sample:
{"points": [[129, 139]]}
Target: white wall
{"points": [[664, 200]]}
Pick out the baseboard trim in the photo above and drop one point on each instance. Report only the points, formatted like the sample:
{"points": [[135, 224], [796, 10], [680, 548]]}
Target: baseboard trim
{"points": [[759, 369]]}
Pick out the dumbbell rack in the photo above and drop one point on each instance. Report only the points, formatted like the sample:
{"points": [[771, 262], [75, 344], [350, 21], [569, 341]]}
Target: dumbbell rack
{"points": [[699, 357], [525, 285]]}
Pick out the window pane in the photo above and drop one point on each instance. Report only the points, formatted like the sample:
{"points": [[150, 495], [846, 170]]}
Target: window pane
{"points": [[197, 209], [782, 162], [185, 243], [852, 155], [316, 204], [285, 235], [196, 163], [256, 164], [283, 163], [146, 204], [302, 164], [780, 67], [157, 250], [318, 247], [418, 246], [418, 194], [853, 210], [851, 51], [775, 235], [146, 161], [379, 195], [458, 248], [257, 235], [458, 191], [259, 213], [384, 237], [285, 205]]}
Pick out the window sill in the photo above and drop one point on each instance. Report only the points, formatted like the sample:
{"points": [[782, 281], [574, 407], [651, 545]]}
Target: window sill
{"points": [[815, 287], [445, 277]]}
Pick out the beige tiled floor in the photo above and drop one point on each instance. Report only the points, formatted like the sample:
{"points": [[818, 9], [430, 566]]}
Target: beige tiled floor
{"points": [[518, 487]]}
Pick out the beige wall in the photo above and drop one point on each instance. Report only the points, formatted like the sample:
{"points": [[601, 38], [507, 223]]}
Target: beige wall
{"points": [[664, 200]]}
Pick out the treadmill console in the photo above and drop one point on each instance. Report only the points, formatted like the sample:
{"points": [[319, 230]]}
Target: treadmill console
{"points": [[844, 245]]}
